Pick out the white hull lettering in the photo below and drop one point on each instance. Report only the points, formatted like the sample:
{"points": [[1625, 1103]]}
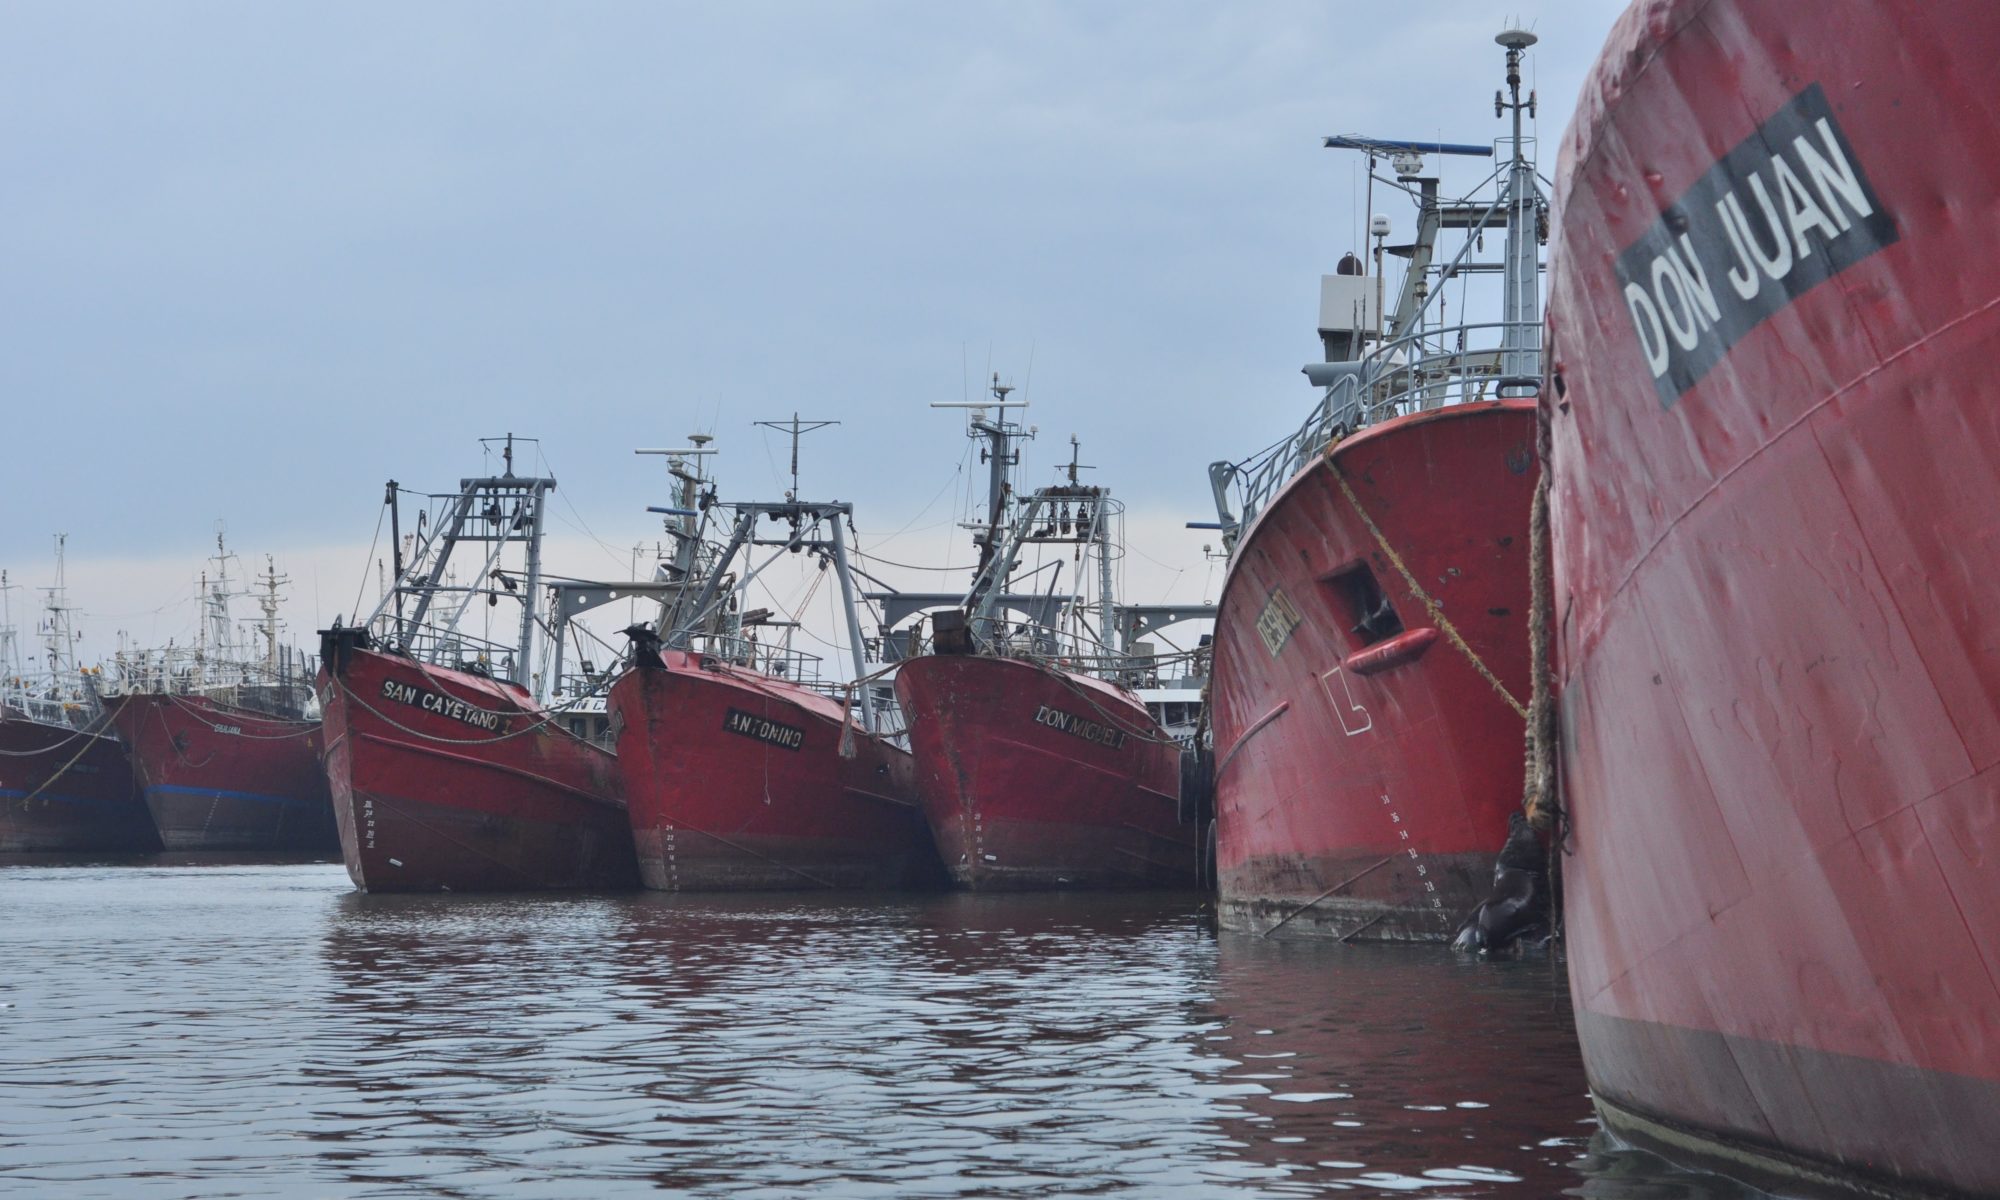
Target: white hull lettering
{"points": [[1786, 210], [450, 707], [1090, 731], [1277, 620], [764, 729]]}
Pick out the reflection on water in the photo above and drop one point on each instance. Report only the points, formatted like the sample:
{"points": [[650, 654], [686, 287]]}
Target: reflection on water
{"points": [[263, 1030]]}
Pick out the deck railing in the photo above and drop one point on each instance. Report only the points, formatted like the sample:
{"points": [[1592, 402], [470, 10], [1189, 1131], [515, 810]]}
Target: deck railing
{"points": [[1434, 368], [772, 658]]}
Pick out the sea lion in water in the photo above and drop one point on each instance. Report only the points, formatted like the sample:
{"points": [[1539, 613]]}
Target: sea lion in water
{"points": [[1518, 907]]}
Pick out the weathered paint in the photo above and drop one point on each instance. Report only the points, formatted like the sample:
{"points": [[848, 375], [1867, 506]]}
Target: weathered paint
{"points": [[1034, 777], [66, 790], [218, 777], [426, 802], [1775, 572], [1364, 791], [737, 782]]}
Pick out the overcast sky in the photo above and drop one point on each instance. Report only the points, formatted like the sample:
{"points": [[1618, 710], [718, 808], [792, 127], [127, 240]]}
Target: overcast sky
{"points": [[255, 258]]}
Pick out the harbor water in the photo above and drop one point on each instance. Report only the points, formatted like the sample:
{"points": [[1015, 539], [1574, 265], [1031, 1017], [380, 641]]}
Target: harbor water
{"points": [[264, 1030]]}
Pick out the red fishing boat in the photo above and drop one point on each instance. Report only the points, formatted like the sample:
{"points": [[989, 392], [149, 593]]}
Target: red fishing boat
{"points": [[1037, 763], [65, 782], [1773, 308], [216, 776], [449, 780], [447, 772], [218, 733], [740, 779], [1371, 646], [740, 772], [1033, 776], [67, 787]]}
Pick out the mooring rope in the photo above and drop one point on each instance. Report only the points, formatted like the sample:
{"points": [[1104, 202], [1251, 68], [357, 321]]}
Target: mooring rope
{"points": [[1539, 796], [1442, 622], [174, 740], [306, 728], [51, 748], [87, 735]]}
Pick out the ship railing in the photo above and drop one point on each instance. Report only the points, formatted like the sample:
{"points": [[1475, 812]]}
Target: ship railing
{"points": [[1135, 671], [457, 650], [52, 706], [1433, 368], [575, 686], [193, 670], [769, 658]]}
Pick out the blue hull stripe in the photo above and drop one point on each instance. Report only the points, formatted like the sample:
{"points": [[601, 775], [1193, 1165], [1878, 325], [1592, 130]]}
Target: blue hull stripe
{"points": [[165, 790], [60, 797]]}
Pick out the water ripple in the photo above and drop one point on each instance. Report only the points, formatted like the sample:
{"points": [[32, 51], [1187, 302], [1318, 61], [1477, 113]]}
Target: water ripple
{"points": [[265, 1031]]}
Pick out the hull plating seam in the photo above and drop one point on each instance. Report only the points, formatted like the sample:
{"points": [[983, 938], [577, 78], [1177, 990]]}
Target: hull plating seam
{"points": [[488, 765]]}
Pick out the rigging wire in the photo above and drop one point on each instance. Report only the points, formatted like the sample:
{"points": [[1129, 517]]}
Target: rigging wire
{"points": [[380, 515], [616, 554], [906, 566], [957, 471]]}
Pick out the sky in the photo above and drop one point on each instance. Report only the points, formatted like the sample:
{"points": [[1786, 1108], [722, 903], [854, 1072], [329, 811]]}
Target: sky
{"points": [[257, 258]]}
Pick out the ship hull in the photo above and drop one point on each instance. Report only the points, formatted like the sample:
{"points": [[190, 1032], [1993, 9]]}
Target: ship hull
{"points": [[218, 777], [1034, 778], [737, 782], [64, 790], [1774, 576], [447, 781], [1364, 778]]}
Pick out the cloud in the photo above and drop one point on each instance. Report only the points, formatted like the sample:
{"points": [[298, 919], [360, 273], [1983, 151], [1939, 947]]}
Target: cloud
{"points": [[261, 259]]}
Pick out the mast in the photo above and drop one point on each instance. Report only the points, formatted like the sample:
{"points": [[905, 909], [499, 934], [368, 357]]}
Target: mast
{"points": [[684, 520], [1107, 601], [539, 502], [795, 427], [56, 630], [215, 600], [847, 603], [10, 650], [499, 511], [1107, 604], [1521, 306], [805, 519], [1001, 455], [396, 550], [268, 601]]}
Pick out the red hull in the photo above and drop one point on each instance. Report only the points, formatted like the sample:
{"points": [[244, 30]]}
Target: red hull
{"points": [[218, 777], [1775, 571], [485, 796], [1363, 788], [736, 782], [1036, 778], [66, 790]]}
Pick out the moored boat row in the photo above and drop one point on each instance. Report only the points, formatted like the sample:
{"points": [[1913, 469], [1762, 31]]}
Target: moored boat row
{"points": [[1678, 621], [726, 762]]}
